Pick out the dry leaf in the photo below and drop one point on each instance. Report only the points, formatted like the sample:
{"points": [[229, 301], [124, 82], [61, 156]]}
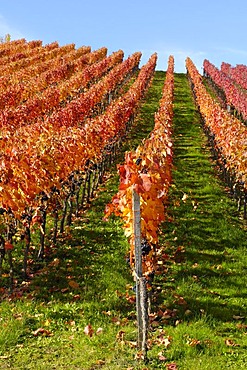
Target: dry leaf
{"points": [[120, 335], [99, 331], [161, 357], [100, 362], [184, 198], [231, 343], [73, 284], [42, 331], [193, 342], [242, 326], [172, 366], [139, 356], [88, 330]]}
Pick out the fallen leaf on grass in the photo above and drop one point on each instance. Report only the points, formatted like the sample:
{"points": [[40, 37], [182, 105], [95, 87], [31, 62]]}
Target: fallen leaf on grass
{"points": [[130, 298], [179, 300], [139, 356], [100, 362], [120, 335], [64, 290], [166, 342], [70, 322], [116, 321], [231, 343], [184, 197], [76, 297], [172, 366], [88, 330], [73, 284], [43, 332], [168, 314], [163, 340], [242, 326], [108, 313], [47, 322], [8, 246], [193, 342], [99, 331], [161, 357]]}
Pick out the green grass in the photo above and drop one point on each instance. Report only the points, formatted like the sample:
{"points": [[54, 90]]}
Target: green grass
{"points": [[199, 310]]}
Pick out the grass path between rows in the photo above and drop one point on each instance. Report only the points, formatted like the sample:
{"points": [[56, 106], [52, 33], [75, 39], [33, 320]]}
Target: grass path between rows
{"points": [[200, 309]]}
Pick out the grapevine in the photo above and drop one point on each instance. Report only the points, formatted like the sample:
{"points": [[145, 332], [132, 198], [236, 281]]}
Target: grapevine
{"points": [[228, 134], [44, 165], [235, 97], [147, 170]]}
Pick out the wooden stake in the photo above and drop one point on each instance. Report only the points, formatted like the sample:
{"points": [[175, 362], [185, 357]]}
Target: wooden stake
{"points": [[141, 289]]}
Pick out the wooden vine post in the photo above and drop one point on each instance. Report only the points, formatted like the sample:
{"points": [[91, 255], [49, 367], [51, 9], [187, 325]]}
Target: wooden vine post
{"points": [[141, 288]]}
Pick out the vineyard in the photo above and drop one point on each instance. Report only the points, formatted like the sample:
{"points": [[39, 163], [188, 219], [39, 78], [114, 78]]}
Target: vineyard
{"points": [[105, 243]]}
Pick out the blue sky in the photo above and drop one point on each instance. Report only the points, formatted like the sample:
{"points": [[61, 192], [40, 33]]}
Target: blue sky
{"points": [[213, 29]]}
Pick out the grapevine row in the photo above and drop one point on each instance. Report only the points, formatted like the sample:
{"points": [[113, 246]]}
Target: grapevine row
{"points": [[238, 73], [14, 71], [43, 169], [228, 134], [234, 96], [25, 87], [14, 47], [50, 98], [25, 57], [147, 170], [75, 112]]}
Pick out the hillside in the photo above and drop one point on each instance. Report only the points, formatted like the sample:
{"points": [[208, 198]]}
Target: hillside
{"points": [[75, 308]]}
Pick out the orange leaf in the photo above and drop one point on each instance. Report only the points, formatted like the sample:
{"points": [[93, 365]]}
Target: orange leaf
{"points": [[8, 246]]}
